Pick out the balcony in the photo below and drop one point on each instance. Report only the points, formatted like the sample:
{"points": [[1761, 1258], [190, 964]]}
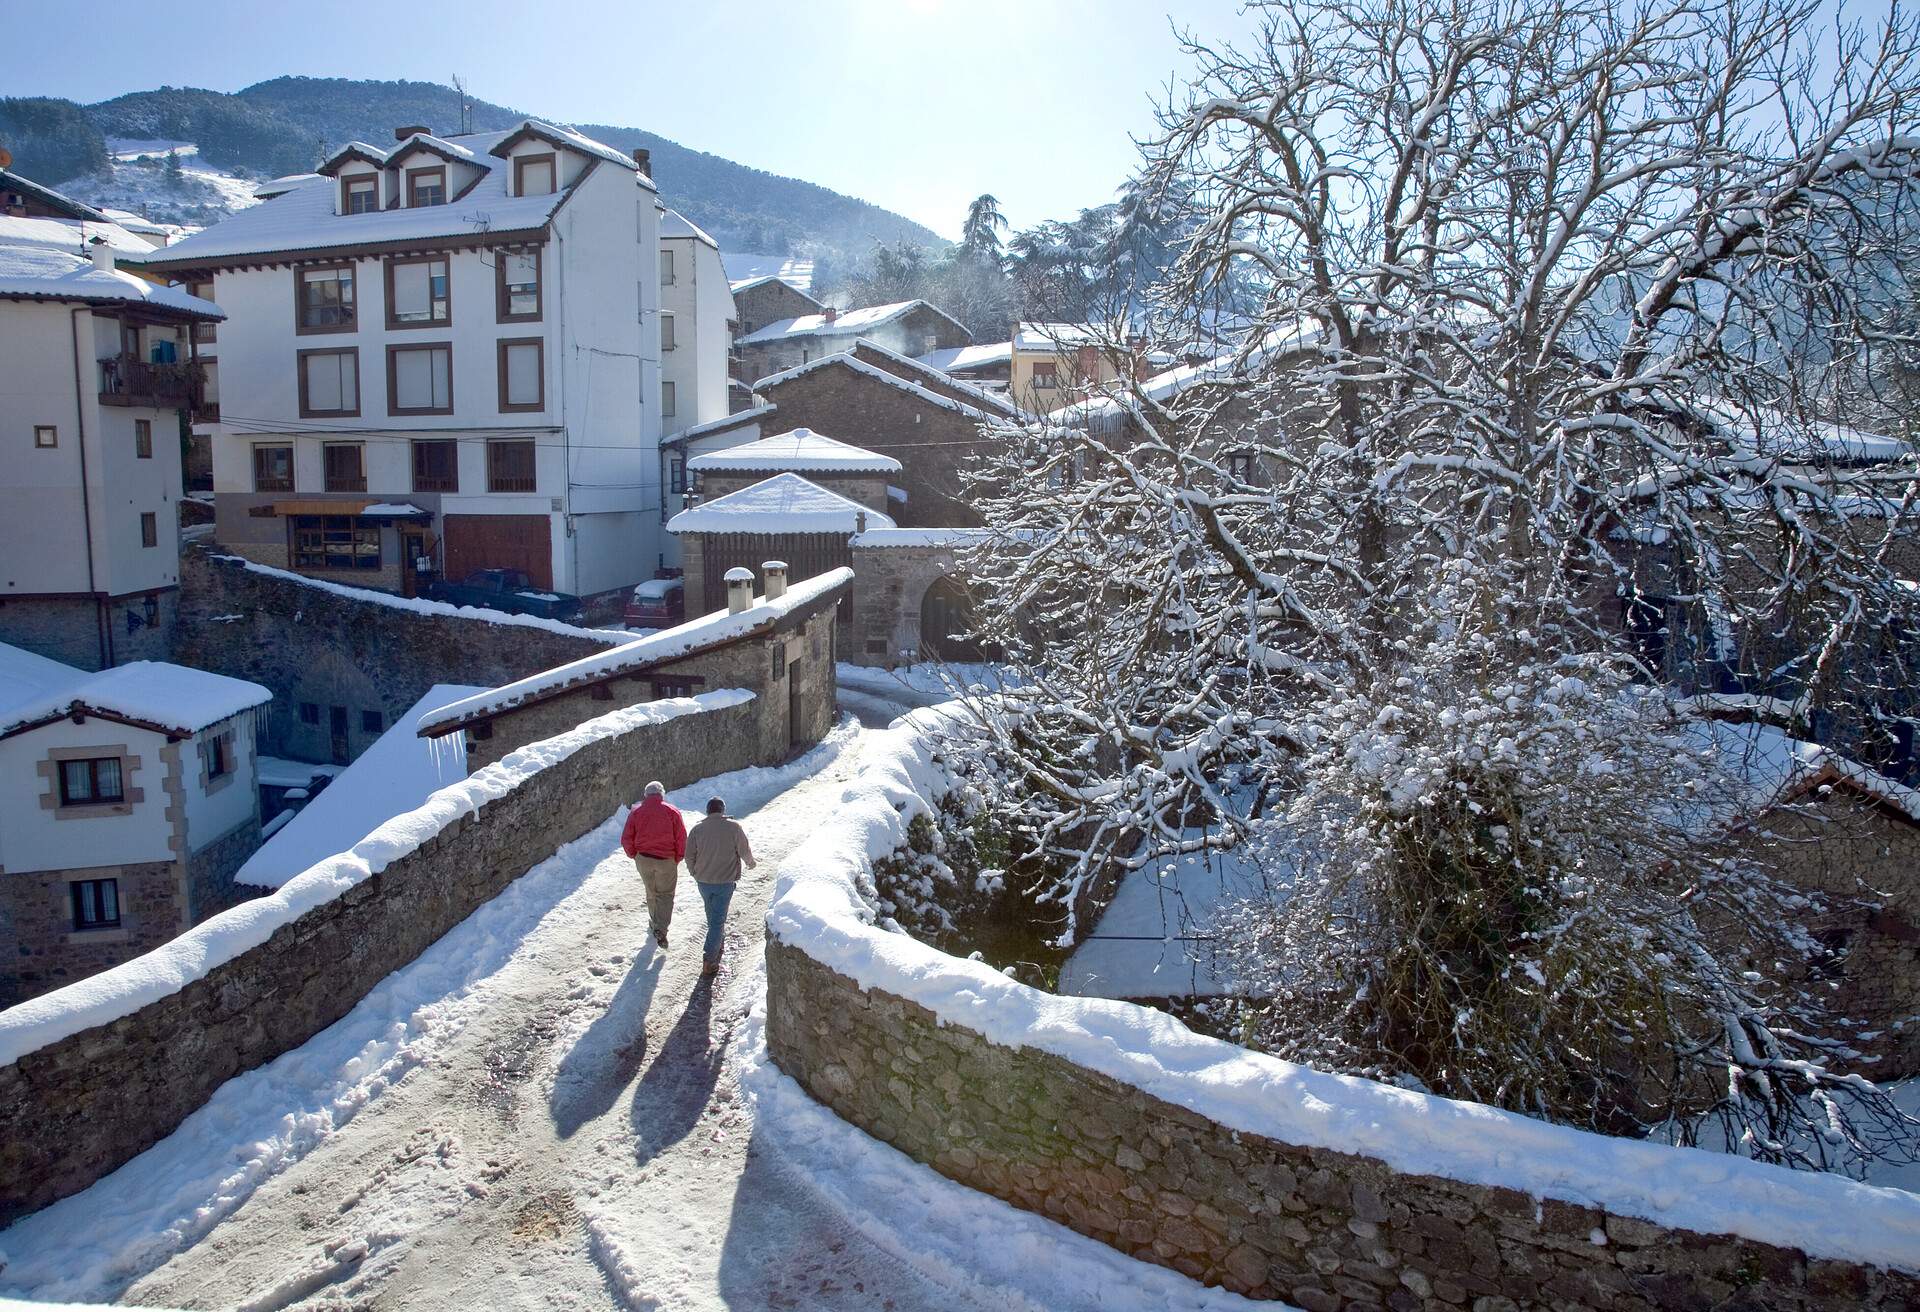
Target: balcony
{"points": [[125, 380]]}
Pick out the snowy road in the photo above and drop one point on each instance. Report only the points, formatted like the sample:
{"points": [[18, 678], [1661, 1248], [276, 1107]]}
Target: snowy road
{"points": [[542, 1112]]}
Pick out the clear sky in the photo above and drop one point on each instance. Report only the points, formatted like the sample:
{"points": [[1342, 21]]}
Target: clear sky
{"points": [[917, 105]]}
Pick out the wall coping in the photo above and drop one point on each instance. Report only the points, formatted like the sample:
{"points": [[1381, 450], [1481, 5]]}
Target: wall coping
{"points": [[112, 994], [817, 908]]}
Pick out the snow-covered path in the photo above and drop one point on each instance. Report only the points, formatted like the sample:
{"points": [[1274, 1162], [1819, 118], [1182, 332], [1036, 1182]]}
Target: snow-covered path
{"points": [[541, 1111]]}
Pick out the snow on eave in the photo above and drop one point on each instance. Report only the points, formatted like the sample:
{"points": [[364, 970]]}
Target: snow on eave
{"points": [[694, 232], [748, 284], [980, 355], [880, 539], [721, 425], [175, 700], [48, 196], [844, 323], [683, 641], [939, 377], [800, 450], [784, 504], [43, 273], [329, 166], [848, 359], [568, 139], [447, 150]]}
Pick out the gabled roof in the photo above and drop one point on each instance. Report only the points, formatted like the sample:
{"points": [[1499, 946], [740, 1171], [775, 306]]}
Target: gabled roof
{"points": [[169, 699], [959, 359], [801, 451], [847, 324], [785, 503], [426, 141], [938, 379], [1055, 336], [42, 273], [675, 225], [281, 186], [991, 407], [330, 166], [794, 271], [740, 417], [25, 676], [73, 209], [566, 139], [748, 284], [71, 235]]}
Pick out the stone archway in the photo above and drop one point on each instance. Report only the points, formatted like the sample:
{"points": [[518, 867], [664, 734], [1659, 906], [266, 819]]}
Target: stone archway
{"points": [[946, 613]]}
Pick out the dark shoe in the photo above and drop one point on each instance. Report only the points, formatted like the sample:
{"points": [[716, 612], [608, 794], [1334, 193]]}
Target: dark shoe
{"points": [[660, 937], [712, 966]]}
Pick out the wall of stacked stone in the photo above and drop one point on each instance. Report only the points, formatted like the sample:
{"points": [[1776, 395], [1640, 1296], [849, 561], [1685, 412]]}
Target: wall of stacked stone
{"points": [[315, 646], [1318, 1228], [80, 1107]]}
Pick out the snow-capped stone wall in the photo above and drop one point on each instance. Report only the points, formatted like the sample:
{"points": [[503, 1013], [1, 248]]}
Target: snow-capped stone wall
{"points": [[1268, 1178]]}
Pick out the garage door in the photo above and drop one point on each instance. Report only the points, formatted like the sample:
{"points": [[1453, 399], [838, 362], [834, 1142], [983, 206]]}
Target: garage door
{"points": [[521, 542]]}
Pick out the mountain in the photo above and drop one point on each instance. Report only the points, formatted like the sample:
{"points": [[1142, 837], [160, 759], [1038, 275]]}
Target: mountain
{"points": [[287, 124]]}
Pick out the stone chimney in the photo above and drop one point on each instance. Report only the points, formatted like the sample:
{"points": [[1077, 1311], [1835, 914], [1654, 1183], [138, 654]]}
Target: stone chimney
{"points": [[644, 158], [739, 589], [830, 314], [411, 130], [776, 572], [859, 521], [102, 254]]}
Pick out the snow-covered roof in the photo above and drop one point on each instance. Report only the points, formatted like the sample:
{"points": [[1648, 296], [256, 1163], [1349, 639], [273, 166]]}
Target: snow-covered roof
{"points": [[959, 359], [683, 640], [935, 377], [25, 676], [71, 235], [743, 267], [735, 420], [1055, 336], [43, 273], [785, 503], [1166, 385], [1777, 768], [851, 361], [1771, 433], [171, 699], [846, 323], [801, 450], [566, 138], [394, 775], [140, 223], [59, 200], [879, 539], [352, 150], [282, 185], [303, 219], [427, 141], [674, 224]]}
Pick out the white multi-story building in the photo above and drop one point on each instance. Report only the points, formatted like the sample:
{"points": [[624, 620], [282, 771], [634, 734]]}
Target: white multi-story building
{"points": [[697, 320], [441, 358]]}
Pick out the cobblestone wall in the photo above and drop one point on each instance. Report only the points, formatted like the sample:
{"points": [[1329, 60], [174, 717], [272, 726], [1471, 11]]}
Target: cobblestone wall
{"points": [[77, 1109], [1321, 1229]]}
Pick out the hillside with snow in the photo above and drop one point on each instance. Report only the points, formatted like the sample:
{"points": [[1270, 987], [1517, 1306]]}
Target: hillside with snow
{"points": [[163, 180]]}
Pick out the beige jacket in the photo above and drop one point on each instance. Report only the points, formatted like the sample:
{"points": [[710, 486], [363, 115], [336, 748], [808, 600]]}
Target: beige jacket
{"points": [[716, 849]]}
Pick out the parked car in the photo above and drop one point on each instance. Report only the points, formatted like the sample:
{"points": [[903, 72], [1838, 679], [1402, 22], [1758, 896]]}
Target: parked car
{"points": [[508, 590], [657, 604]]}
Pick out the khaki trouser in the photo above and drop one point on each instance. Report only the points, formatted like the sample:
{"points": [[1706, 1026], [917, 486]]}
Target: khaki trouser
{"points": [[660, 875]]}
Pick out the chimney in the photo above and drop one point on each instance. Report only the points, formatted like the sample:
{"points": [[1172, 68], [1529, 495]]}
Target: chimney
{"points": [[776, 572], [739, 589], [102, 254], [859, 521], [411, 130], [830, 314], [644, 158]]}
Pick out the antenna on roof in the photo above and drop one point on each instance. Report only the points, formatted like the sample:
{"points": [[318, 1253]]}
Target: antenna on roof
{"points": [[466, 105]]}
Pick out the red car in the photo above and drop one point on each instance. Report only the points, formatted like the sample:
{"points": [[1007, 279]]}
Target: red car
{"points": [[656, 604]]}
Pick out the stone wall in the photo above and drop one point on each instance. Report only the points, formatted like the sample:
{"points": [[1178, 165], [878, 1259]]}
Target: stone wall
{"points": [[210, 871], [78, 1108], [890, 584], [326, 650], [40, 950], [1321, 1229], [68, 629]]}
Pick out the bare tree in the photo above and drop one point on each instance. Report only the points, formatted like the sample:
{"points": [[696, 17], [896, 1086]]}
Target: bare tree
{"points": [[1535, 278]]}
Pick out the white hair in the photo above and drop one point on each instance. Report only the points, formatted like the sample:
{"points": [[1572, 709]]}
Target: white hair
{"points": [[656, 789]]}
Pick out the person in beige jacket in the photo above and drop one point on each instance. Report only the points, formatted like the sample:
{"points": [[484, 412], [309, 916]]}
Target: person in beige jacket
{"points": [[717, 848]]}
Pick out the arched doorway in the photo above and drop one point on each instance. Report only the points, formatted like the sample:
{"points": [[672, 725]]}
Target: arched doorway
{"points": [[946, 623]]}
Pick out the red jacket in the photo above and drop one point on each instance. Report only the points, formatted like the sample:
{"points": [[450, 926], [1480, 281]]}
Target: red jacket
{"points": [[655, 829]]}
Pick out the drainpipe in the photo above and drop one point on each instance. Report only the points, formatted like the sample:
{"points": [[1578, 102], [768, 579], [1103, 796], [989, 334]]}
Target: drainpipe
{"points": [[102, 627], [560, 387]]}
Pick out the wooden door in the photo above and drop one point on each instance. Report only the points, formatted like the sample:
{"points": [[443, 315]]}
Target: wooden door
{"points": [[521, 542]]}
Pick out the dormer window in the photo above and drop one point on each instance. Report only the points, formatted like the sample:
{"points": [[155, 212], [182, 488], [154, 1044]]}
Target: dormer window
{"points": [[426, 187], [534, 175], [359, 194]]}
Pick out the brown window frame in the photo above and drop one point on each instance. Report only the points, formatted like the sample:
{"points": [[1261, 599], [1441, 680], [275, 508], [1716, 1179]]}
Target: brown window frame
{"points": [[500, 373], [306, 410], [396, 410], [326, 466], [149, 528], [204, 330], [500, 311], [451, 482], [413, 177], [309, 546], [300, 272], [94, 796], [346, 192], [1048, 370], [87, 896], [272, 484], [143, 439], [520, 163], [393, 262], [494, 478]]}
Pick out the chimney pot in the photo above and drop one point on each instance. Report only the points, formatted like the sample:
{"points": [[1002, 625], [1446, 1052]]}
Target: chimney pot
{"points": [[410, 130], [859, 521], [776, 572], [102, 254], [644, 158], [739, 589], [830, 314]]}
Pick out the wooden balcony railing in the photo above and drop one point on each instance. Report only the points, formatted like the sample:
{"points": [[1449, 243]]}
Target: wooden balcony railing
{"points": [[125, 380]]}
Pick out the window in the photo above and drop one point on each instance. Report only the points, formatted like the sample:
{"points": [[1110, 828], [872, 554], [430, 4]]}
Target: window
{"points": [[427, 186], [666, 401], [676, 474], [359, 194], [436, 466], [216, 756], [533, 175], [203, 330], [510, 466], [666, 268], [96, 903], [370, 722], [666, 331], [309, 712], [332, 542], [518, 289], [346, 466], [417, 292], [1046, 376], [45, 436], [91, 781], [324, 299], [779, 661], [329, 383], [149, 529], [143, 439], [273, 469], [1240, 466], [522, 365], [420, 380], [673, 687]]}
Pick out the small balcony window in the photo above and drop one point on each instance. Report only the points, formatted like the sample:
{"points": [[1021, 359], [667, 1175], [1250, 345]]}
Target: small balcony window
{"points": [[273, 469], [510, 466], [346, 467]]}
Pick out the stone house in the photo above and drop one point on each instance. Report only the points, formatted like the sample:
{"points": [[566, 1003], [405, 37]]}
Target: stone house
{"points": [[909, 328], [769, 299], [986, 365], [127, 802], [780, 516], [780, 646], [912, 604]]}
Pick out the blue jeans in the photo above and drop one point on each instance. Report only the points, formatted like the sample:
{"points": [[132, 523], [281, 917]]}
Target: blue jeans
{"points": [[715, 897]]}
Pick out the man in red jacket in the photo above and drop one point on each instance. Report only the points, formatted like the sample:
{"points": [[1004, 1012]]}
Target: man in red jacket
{"points": [[656, 838]]}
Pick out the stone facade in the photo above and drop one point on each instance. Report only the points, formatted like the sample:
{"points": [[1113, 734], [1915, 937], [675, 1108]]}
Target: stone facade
{"points": [[71, 630], [319, 650], [40, 950], [915, 332], [79, 1108], [890, 588], [1320, 1229], [769, 301], [210, 871]]}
